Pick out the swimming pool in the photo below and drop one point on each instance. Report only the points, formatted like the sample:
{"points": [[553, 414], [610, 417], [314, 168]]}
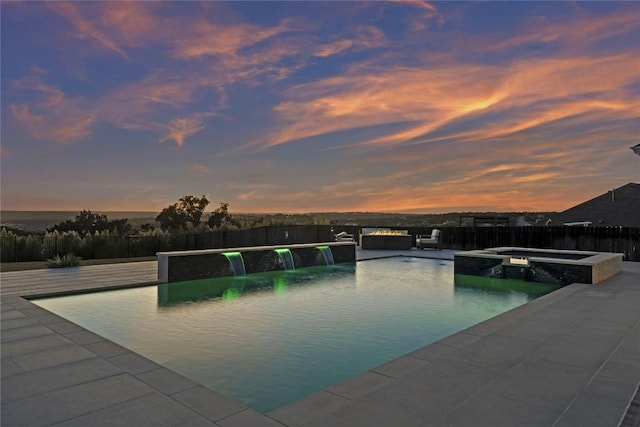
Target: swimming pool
{"points": [[269, 339]]}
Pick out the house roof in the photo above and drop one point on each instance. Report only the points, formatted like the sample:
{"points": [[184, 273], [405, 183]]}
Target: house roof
{"points": [[617, 207]]}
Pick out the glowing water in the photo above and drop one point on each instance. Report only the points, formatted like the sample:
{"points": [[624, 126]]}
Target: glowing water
{"points": [[327, 254], [236, 262], [287, 258]]}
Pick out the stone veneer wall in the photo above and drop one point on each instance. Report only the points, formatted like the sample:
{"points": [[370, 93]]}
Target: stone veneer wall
{"points": [[202, 264]]}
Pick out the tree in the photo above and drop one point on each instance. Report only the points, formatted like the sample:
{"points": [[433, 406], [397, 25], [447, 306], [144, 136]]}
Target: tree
{"points": [[193, 207], [88, 222], [171, 219], [147, 226], [186, 212], [218, 215], [221, 216]]}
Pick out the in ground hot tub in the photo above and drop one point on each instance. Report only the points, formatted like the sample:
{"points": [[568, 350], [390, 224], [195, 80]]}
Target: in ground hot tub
{"points": [[560, 267]]}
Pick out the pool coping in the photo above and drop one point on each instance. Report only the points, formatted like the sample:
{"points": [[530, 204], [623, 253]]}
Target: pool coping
{"points": [[44, 350]]}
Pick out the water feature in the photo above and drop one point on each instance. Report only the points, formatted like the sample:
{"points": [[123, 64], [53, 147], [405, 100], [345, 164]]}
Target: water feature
{"points": [[326, 254], [286, 258], [178, 266], [236, 262]]}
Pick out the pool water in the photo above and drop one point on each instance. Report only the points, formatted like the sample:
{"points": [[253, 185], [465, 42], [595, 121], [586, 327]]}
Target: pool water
{"points": [[269, 339]]}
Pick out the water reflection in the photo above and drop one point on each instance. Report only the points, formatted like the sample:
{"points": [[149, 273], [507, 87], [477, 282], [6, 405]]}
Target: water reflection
{"points": [[230, 288], [491, 284], [280, 285]]}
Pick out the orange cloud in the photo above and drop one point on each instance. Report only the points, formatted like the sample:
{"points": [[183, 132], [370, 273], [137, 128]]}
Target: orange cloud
{"points": [[132, 22], [58, 127], [472, 176], [52, 115], [208, 39], [157, 89], [146, 103], [182, 128], [377, 195], [84, 27], [420, 4], [430, 11], [365, 37], [333, 48], [576, 35], [519, 169], [530, 94]]}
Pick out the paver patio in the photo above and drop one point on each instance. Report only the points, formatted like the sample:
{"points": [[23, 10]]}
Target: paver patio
{"points": [[570, 358]]}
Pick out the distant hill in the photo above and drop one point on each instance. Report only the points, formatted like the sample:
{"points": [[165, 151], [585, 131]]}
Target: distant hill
{"points": [[38, 221]]}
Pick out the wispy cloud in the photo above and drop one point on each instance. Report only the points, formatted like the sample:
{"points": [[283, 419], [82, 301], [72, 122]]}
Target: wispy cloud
{"points": [[365, 37], [182, 128], [61, 129], [333, 48], [526, 94], [162, 95], [86, 28], [208, 39], [55, 117], [430, 12], [132, 23], [200, 169], [225, 55], [582, 33]]}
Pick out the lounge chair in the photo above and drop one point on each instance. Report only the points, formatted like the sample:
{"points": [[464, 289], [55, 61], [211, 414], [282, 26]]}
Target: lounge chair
{"points": [[434, 240], [343, 236]]}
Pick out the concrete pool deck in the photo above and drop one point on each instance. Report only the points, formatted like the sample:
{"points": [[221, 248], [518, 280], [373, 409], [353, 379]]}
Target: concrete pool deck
{"points": [[569, 358]]}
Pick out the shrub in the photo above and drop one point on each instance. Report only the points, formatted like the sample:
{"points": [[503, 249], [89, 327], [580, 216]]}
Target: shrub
{"points": [[69, 260]]}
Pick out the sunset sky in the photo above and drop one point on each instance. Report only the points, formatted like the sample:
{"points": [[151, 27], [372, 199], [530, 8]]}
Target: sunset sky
{"points": [[402, 106]]}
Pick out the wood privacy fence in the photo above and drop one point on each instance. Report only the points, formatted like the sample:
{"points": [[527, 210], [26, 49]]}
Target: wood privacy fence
{"points": [[623, 240]]}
